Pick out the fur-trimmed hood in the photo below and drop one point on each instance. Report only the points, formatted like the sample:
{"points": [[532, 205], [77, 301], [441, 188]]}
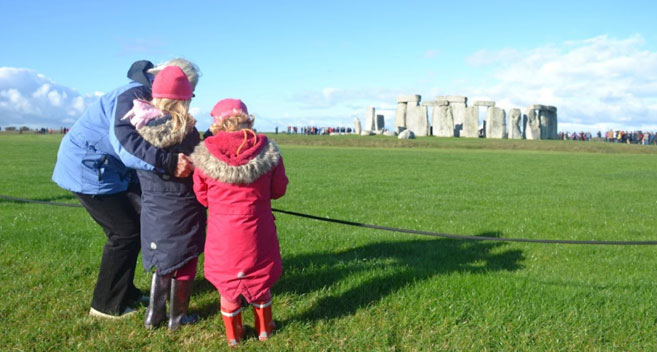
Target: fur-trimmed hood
{"points": [[155, 126], [217, 157], [161, 134]]}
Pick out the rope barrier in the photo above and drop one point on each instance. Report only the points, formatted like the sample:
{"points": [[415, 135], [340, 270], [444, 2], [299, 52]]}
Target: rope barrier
{"points": [[395, 229], [23, 200]]}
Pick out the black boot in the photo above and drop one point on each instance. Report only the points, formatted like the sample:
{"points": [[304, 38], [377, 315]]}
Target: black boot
{"points": [[157, 305], [180, 291]]}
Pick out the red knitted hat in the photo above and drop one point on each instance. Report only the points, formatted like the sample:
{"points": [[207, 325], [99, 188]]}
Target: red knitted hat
{"points": [[172, 83], [228, 107]]}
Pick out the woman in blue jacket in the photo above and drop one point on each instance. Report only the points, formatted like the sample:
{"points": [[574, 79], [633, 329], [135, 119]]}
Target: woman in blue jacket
{"points": [[95, 162]]}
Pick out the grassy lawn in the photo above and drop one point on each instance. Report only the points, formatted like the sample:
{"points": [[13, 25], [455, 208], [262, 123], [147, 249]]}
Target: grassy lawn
{"points": [[355, 289]]}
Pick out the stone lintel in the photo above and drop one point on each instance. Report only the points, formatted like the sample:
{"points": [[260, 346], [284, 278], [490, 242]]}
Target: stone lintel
{"points": [[538, 107], [453, 98], [408, 98], [487, 103]]}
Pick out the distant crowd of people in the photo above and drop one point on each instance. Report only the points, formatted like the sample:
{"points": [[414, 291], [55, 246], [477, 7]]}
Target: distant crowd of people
{"points": [[313, 130], [42, 130], [619, 136]]}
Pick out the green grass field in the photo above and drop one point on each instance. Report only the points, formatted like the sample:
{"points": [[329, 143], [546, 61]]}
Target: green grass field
{"points": [[356, 289]]}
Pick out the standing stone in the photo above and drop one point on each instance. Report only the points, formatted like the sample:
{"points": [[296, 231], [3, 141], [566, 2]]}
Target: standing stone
{"points": [[495, 123], [552, 130], [357, 127], [380, 122], [442, 120], [417, 119], [370, 124], [543, 118], [423, 123], [411, 115], [458, 105], [555, 128], [470, 122], [400, 116], [515, 124], [533, 128]]}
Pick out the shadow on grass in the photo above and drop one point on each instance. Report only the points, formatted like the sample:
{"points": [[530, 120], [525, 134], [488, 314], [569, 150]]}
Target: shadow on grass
{"points": [[201, 286], [10, 199], [56, 198], [394, 265]]}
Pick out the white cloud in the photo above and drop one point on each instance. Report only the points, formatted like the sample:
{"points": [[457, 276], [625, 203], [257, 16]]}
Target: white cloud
{"points": [[28, 98], [195, 111], [431, 53], [332, 106], [486, 57], [597, 83]]}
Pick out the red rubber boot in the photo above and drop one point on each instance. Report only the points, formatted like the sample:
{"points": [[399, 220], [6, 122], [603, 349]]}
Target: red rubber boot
{"points": [[264, 323], [233, 324]]}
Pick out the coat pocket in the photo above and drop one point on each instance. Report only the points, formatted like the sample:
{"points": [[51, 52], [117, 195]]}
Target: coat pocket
{"points": [[101, 171]]}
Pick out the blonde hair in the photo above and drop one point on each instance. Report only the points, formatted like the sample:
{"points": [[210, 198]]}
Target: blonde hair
{"points": [[233, 123], [178, 109], [191, 70]]}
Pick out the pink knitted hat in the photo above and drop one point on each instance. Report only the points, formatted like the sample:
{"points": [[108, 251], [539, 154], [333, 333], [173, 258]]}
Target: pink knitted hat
{"points": [[172, 83], [228, 107]]}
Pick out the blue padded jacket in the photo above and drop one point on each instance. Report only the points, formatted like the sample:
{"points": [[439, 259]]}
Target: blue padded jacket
{"points": [[98, 153]]}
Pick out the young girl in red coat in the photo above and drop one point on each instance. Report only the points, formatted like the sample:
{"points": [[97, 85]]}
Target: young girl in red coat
{"points": [[237, 174]]}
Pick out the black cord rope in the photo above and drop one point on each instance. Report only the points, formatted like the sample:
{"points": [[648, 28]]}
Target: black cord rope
{"points": [[395, 229]]}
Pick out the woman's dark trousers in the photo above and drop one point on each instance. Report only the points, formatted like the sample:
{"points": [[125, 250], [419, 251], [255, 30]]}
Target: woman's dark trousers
{"points": [[118, 214]]}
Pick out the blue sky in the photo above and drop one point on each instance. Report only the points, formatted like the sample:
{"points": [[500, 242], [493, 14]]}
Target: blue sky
{"points": [[311, 63]]}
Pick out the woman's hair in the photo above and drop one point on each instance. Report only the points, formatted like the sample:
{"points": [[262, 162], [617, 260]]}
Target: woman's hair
{"points": [[191, 70], [233, 123], [178, 109]]}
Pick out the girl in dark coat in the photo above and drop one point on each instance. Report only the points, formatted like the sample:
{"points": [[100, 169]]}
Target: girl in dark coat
{"points": [[172, 220]]}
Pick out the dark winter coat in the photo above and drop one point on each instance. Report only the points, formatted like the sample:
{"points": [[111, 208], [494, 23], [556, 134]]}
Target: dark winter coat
{"points": [[172, 220]]}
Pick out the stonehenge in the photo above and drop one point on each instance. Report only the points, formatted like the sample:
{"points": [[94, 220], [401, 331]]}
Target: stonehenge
{"points": [[442, 119], [458, 106], [357, 126], [541, 122], [370, 116], [515, 124], [406, 134], [452, 117], [532, 125], [379, 123], [373, 122], [495, 122], [411, 115]]}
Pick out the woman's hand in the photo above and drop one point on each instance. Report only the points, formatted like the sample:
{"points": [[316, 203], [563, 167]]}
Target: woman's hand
{"points": [[184, 167]]}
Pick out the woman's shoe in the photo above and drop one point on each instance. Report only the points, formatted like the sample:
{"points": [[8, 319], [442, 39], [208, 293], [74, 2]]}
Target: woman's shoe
{"points": [[128, 311]]}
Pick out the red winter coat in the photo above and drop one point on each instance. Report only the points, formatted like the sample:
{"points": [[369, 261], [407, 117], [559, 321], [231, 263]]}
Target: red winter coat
{"points": [[242, 256]]}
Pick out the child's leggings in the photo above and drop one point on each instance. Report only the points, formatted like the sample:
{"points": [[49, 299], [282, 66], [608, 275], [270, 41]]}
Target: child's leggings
{"points": [[187, 272], [231, 306]]}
